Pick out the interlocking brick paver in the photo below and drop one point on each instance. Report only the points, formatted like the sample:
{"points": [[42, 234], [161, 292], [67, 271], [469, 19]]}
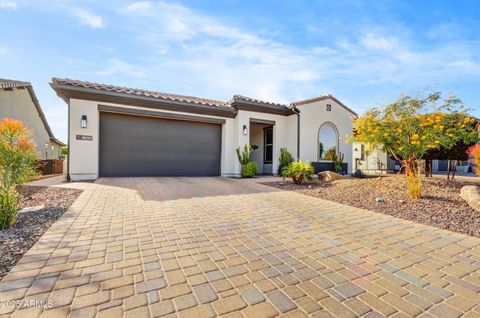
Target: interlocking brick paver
{"points": [[202, 247], [281, 301], [185, 302], [444, 311], [229, 304], [263, 310], [205, 293], [149, 285]]}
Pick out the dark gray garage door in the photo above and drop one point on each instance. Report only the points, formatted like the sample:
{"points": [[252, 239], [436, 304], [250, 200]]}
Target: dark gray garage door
{"points": [[146, 146]]}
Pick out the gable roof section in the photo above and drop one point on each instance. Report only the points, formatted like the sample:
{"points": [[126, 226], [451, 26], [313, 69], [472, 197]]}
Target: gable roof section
{"points": [[135, 92], [252, 104], [68, 88], [323, 97], [7, 83]]}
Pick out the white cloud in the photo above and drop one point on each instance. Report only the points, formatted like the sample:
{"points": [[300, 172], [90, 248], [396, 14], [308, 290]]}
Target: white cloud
{"points": [[89, 19], [8, 5], [377, 42], [117, 67], [211, 56]]}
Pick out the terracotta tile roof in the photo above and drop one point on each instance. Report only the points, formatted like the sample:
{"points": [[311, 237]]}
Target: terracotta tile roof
{"points": [[7, 83], [258, 101], [138, 92], [323, 97]]}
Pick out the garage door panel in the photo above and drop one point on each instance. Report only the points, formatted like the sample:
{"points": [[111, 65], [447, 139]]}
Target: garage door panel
{"points": [[145, 146]]}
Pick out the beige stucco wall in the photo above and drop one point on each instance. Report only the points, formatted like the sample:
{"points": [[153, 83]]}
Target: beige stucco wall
{"points": [[313, 115], [18, 104]]}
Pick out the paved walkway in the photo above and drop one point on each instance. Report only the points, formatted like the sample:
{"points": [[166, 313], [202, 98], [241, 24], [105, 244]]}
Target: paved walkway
{"points": [[202, 247]]}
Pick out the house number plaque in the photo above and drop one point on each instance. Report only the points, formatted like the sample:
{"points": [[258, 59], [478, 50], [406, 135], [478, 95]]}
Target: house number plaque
{"points": [[84, 137]]}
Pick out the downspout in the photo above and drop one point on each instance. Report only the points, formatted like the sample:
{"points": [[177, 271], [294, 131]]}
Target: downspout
{"points": [[68, 144], [297, 112]]}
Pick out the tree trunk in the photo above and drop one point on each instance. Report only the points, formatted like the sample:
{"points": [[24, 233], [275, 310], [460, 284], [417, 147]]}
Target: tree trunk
{"points": [[454, 169], [414, 184], [448, 169], [428, 168]]}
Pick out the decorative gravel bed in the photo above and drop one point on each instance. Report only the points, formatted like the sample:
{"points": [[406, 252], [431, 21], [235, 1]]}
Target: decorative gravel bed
{"points": [[441, 205], [30, 226]]}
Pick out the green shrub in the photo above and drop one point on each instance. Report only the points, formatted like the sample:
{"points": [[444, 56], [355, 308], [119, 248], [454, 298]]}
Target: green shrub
{"points": [[299, 171], [17, 164], [337, 160], [358, 174], [285, 159], [9, 199], [250, 169]]}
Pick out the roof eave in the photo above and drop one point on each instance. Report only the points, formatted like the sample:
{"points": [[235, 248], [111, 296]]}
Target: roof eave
{"points": [[66, 92], [55, 140], [323, 97], [241, 104]]}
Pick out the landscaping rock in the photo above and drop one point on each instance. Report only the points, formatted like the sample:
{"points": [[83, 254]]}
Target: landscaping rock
{"points": [[471, 194], [379, 200], [39, 207], [441, 204], [329, 176]]}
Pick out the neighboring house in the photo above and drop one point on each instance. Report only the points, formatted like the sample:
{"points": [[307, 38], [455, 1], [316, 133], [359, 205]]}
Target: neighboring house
{"points": [[118, 131], [375, 161], [378, 162], [18, 101]]}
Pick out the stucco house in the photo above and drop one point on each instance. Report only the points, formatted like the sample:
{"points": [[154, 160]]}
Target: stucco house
{"points": [[18, 101], [118, 131]]}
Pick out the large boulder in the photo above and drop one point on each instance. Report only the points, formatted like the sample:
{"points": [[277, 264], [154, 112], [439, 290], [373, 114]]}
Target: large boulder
{"points": [[471, 194], [329, 176]]}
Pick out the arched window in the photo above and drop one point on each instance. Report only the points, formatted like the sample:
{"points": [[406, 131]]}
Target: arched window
{"points": [[327, 141]]}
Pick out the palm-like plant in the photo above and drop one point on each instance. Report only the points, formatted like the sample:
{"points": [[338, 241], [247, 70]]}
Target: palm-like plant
{"points": [[299, 171]]}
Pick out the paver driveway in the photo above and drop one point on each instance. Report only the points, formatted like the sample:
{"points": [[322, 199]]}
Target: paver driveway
{"points": [[202, 247]]}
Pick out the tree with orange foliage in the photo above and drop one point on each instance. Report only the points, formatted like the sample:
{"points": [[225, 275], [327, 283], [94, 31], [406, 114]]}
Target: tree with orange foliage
{"points": [[17, 164], [474, 153]]}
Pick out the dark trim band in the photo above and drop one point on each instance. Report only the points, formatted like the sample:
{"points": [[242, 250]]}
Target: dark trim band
{"points": [[67, 92], [163, 115], [262, 108], [262, 121]]}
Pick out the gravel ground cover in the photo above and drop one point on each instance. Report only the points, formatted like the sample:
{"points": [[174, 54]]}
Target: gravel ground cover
{"points": [[441, 205], [30, 226]]}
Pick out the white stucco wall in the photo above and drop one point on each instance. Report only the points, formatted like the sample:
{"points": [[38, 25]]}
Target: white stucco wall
{"points": [[312, 116], [280, 134], [84, 154], [18, 104]]}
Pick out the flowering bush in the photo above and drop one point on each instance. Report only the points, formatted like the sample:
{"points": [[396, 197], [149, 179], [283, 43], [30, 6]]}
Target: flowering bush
{"points": [[17, 163], [474, 153], [409, 127]]}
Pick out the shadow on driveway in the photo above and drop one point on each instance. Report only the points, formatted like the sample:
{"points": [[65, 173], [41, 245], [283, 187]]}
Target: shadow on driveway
{"points": [[174, 188]]}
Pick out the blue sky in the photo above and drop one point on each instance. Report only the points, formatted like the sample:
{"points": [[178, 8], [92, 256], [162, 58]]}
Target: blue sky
{"points": [[363, 52]]}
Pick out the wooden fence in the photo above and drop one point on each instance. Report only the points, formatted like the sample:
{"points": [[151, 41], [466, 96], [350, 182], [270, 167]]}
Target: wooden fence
{"points": [[50, 166]]}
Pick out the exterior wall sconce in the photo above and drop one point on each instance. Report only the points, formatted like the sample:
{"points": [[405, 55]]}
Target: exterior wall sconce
{"points": [[245, 130], [83, 122]]}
